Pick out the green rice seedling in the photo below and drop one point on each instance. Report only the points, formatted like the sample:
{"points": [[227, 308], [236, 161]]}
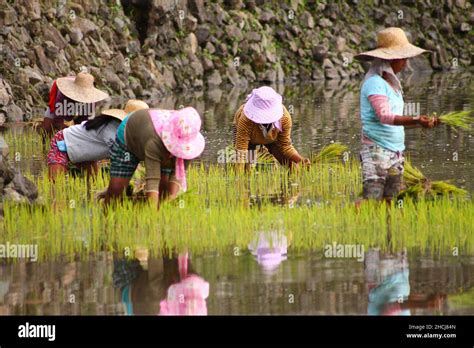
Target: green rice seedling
{"points": [[63, 229], [330, 180], [465, 299], [26, 145], [458, 120], [418, 185], [224, 209], [330, 152]]}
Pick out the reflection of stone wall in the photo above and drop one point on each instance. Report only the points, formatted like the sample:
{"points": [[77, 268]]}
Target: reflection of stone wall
{"points": [[237, 286], [45, 288], [319, 286], [13, 185]]}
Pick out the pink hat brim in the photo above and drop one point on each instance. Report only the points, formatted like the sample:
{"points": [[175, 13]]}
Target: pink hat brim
{"points": [[260, 116], [185, 151]]}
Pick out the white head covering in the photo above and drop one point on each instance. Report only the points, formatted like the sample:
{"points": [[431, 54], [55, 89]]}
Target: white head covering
{"points": [[378, 67]]}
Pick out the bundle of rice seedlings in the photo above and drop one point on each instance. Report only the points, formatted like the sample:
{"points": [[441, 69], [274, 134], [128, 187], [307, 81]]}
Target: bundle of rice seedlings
{"points": [[458, 119], [265, 157], [418, 185], [262, 155], [136, 188], [329, 153]]}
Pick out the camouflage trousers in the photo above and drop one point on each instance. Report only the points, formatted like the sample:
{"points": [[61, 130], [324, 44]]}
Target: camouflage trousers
{"points": [[382, 171]]}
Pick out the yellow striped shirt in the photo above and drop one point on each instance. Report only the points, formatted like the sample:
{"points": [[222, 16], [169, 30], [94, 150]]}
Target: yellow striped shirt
{"points": [[246, 131]]}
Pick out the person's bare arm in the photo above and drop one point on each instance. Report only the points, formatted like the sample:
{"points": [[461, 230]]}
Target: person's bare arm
{"points": [[153, 198], [424, 121], [152, 170], [381, 105], [173, 190]]}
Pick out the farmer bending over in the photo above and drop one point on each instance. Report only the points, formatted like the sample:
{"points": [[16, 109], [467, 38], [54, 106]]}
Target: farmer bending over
{"points": [[263, 120], [161, 138], [71, 98], [88, 142]]}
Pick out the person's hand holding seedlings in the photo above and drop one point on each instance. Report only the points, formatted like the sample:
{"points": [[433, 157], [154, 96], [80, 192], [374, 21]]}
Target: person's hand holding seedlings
{"points": [[382, 115]]}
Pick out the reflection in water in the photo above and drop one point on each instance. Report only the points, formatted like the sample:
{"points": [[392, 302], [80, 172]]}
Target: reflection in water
{"points": [[388, 284], [167, 286], [228, 284], [327, 111], [270, 250]]}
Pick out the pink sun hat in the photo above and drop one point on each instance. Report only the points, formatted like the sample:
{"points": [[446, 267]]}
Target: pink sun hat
{"points": [[180, 131], [264, 105]]}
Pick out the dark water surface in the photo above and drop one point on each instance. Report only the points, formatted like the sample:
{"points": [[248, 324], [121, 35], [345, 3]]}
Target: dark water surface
{"points": [[309, 283]]}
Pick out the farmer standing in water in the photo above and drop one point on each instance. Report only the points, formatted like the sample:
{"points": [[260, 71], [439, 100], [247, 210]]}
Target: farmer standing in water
{"points": [[381, 111]]}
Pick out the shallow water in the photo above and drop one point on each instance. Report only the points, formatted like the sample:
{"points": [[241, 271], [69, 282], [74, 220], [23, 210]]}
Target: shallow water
{"points": [[307, 283], [328, 111], [303, 283]]}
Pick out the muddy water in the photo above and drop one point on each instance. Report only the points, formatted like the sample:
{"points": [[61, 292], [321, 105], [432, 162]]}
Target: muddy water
{"points": [[329, 111], [399, 283]]}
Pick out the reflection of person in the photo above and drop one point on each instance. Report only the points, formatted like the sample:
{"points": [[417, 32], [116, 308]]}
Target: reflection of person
{"points": [[270, 250], [388, 283], [164, 139], [381, 110], [88, 142], [263, 120], [71, 98], [168, 286], [187, 296], [387, 278]]}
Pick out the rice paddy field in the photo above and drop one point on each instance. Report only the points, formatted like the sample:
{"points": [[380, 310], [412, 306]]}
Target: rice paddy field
{"points": [[423, 243]]}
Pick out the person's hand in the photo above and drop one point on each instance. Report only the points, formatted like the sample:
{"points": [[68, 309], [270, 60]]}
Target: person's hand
{"points": [[101, 195], [428, 122], [303, 163]]}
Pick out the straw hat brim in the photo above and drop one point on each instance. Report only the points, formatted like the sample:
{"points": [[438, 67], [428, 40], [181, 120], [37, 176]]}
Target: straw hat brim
{"points": [[117, 113], [400, 52], [82, 95]]}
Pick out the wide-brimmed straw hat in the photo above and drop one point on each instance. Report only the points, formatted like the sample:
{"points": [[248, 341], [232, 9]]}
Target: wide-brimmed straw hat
{"points": [[81, 88], [264, 105], [131, 106], [180, 131], [392, 43]]}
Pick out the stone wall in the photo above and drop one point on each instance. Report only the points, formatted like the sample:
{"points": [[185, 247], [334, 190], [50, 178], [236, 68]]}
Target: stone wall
{"points": [[139, 48], [14, 187]]}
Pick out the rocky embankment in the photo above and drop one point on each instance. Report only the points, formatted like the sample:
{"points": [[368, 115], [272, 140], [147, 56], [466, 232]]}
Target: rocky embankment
{"points": [[14, 186], [138, 48]]}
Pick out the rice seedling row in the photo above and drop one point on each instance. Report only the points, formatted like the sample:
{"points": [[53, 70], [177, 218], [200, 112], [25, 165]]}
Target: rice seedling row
{"points": [[226, 208]]}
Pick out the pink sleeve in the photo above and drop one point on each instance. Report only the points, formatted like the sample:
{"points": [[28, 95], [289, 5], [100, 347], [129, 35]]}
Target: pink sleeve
{"points": [[381, 106]]}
